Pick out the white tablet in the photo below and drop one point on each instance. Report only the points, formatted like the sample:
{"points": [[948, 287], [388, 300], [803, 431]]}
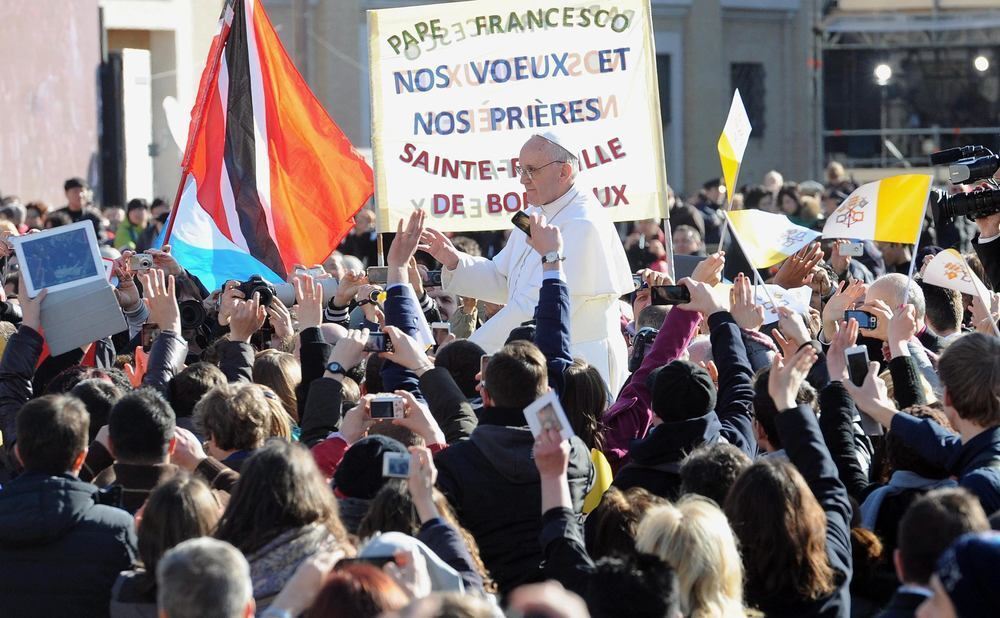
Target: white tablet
{"points": [[58, 259], [547, 413]]}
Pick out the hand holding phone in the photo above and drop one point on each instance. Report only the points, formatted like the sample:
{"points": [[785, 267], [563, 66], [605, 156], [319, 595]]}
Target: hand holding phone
{"points": [[866, 320], [857, 364], [522, 222]]}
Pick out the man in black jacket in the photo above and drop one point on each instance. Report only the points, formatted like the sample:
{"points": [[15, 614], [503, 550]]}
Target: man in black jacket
{"points": [[491, 479], [987, 246], [60, 550]]}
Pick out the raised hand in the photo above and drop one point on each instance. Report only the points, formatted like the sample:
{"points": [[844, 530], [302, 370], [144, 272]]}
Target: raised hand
{"points": [[404, 245], [786, 377], [348, 286], [703, 298], [872, 397], [188, 452], [551, 453], [136, 371], [309, 297], [161, 299], [544, 238], [902, 328], [843, 299], [165, 262], [246, 319], [419, 420], [406, 352], [845, 337], [709, 270], [281, 319], [748, 314], [797, 270], [984, 318], [231, 297], [350, 349], [31, 308], [440, 248], [883, 314], [357, 420]]}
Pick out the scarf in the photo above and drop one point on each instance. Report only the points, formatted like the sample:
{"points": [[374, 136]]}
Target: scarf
{"points": [[899, 482], [272, 566]]}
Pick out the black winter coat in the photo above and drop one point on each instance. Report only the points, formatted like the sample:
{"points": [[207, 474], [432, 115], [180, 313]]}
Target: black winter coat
{"points": [[60, 551]]}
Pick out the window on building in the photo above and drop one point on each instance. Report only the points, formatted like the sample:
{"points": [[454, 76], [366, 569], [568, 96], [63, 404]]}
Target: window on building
{"points": [[748, 77]]}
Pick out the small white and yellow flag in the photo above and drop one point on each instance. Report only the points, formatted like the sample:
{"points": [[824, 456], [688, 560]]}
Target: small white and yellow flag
{"points": [[767, 238], [733, 142], [771, 297], [949, 269], [889, 210]]}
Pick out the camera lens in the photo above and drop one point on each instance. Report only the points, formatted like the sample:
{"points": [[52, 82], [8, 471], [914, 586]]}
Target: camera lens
{"points": [[192, 314], [266, 295]]}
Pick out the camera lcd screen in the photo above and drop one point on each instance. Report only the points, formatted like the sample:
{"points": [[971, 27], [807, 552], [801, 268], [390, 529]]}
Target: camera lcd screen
{"points": [[382, 409], [378, 342], [669, 295], [865, 320]]}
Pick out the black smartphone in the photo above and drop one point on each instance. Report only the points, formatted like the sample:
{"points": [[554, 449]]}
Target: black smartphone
{"points": [[378, 275], [857, 364], [149, 334], [867, 321], [669, 295], [522, 222]]}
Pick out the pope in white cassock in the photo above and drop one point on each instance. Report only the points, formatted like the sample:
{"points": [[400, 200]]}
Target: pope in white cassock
{"points": [[597, 272]]}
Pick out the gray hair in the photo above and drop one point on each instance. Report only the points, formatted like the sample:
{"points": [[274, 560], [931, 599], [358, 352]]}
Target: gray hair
{"points": [[895, 286], [203, 578]]}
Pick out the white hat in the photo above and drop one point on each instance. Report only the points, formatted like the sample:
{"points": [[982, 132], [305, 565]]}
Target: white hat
{"points": [[551, 137]]}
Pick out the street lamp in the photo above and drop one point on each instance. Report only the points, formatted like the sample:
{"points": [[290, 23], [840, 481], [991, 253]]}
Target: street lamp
{"points": [[883, 73], [982, 63]]}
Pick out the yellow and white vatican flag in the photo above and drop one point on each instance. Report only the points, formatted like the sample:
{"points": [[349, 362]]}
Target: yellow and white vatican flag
{"points": [[768, 238], [949, 269], [888, 210], [733, 143], [771, 297]]}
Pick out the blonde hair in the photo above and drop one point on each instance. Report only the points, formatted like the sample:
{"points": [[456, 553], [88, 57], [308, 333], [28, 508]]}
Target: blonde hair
{"points": [[279, 423], [281, 372], [695, 539]]}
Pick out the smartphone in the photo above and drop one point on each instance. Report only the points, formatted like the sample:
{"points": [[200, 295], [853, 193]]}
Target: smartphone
{"points": [[483, 361], [378, 342], [669, 295], [866, 321], [378, 275], [149, 334], [853, 249], [396, 465], [433, 279], [522, 222], [386, 405], [857, 364]]}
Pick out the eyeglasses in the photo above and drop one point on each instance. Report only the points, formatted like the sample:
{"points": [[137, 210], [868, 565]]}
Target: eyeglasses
{"points": [[521, 171]]}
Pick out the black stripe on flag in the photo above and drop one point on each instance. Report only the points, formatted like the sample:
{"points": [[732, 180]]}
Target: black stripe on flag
{"points": [[240, 152]]}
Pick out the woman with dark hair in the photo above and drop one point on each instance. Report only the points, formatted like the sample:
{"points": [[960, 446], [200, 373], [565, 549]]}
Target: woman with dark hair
{"points": [[610, 528], [585, 398], [179, 509], [357, 591], [281, 512], [414, 507], [793, 519]]}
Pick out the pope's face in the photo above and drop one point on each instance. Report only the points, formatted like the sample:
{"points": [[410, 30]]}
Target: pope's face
{"points": [[542, 182]]}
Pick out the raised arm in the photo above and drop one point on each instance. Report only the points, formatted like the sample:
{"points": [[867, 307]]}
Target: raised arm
{"points": [[800, 434], [17, 367], [169, 351], [552, 335], [735, 402], [401, 307]]}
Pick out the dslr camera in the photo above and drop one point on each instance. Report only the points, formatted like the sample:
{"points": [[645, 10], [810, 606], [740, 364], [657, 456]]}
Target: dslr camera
{"points": [[967, 165], [643, 339], [257, 284]]}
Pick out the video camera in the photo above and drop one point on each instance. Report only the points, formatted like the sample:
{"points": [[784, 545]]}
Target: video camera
{"points": [[967, 165]]}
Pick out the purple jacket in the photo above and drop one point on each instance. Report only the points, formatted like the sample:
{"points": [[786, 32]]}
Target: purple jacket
{"points": [[631, 415]]}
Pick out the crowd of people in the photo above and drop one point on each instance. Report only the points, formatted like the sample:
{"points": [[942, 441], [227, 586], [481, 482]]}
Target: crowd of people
{"points": [[237, 464]]}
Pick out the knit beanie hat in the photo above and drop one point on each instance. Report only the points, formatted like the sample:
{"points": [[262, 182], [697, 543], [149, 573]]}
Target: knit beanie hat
{"points": [[681, 391], [359, 474], [967, 571]]}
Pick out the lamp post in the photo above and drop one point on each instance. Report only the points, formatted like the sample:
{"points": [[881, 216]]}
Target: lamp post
{"points": [[883, 73]]}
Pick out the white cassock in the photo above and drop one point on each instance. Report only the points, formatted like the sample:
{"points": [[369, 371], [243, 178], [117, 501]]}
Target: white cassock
{"points": [[597, 274]]}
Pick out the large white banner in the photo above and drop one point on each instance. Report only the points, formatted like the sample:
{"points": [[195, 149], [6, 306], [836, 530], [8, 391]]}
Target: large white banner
{"points": [[458, 88]]}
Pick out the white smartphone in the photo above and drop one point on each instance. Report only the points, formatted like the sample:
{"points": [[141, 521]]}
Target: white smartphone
{"points": [[857, 364]]}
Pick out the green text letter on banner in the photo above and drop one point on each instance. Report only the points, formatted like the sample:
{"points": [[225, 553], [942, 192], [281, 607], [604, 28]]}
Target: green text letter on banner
{"points": [[458, 88]]}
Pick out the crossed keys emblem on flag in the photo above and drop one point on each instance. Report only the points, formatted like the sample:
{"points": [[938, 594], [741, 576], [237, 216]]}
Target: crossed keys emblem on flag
{"points": [[953, 270], [791, 237], [852, 211]]}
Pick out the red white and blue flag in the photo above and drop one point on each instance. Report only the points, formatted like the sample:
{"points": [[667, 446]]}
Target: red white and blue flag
{"points": [[269, 180]]}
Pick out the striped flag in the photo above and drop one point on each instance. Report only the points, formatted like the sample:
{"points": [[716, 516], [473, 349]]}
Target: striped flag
{"points": [[733, 142], [269, 180], [889, 210], [767, 238]]}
